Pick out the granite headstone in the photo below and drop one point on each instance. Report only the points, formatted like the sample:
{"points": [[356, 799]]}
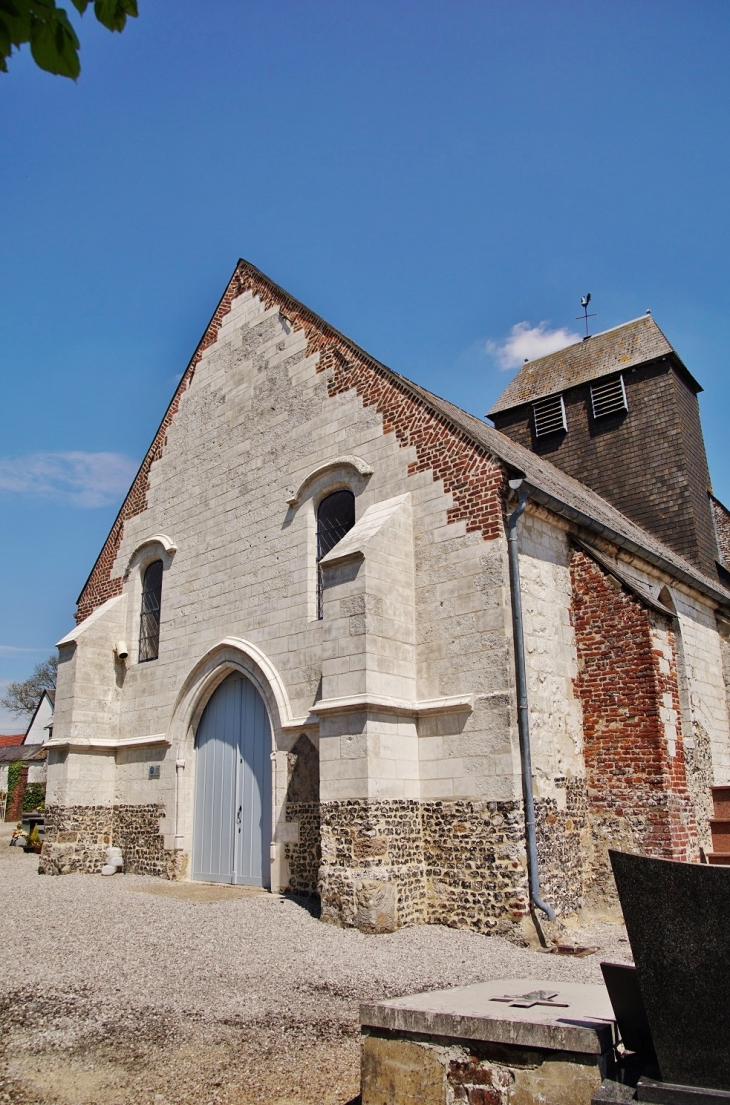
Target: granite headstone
{"points": [[678, 922]]}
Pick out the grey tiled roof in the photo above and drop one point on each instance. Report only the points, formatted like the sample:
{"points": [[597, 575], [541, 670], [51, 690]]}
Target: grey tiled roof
{"points": [[573, 500], [624, 346], [550, 486]]}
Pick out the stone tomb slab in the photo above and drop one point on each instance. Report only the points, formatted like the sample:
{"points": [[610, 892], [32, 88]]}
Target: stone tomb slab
{"points": [[552, 1041]]}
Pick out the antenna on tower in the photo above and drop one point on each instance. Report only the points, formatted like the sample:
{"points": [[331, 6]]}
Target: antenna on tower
{"points": [[584, 301]]}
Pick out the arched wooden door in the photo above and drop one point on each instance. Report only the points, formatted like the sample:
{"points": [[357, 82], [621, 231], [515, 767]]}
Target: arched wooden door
{"points": [[232, 829]]}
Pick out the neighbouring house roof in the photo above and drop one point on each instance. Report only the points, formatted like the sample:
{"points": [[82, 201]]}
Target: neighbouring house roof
{"points": [[11, 739], [23, 753], [632, 343]]}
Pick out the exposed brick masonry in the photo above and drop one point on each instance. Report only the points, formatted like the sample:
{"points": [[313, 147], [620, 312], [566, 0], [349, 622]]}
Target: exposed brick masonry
{"points": [[468, 472], [637, 789]]}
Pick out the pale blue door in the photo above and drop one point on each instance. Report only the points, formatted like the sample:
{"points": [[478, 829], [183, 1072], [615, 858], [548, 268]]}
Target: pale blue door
{"points": [[232, 831]]}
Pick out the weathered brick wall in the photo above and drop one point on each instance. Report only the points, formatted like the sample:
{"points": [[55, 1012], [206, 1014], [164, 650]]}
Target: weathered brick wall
{"points": [[15, 806], [627, 682]]}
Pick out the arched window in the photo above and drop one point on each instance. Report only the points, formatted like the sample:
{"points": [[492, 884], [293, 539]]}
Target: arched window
{"points": [[149, 621], [335, 516]]}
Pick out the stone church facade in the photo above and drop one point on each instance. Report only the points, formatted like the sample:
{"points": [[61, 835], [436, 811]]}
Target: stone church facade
{"points": [[252, 694]]}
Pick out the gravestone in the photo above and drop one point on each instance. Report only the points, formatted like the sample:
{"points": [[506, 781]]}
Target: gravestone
{"points": [[678, 922]]}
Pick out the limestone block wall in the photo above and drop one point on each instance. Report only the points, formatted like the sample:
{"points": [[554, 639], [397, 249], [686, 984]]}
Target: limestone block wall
{"points": [[89, 681], [275, 411], [269, 400], [369, 644], [556, 715], [707, 689]]}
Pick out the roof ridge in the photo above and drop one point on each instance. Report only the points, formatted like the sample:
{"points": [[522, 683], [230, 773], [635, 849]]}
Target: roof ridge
{"points": [[600, 334], [495, 443]]}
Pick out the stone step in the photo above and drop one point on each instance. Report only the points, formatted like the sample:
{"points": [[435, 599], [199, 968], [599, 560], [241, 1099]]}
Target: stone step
{"points": [[721, 801]]}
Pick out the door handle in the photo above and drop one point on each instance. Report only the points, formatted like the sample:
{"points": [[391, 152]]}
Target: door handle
{"points": [[238, 815]]}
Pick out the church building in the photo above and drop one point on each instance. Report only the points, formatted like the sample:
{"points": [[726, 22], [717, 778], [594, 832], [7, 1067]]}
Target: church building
{"points": [[346, 639]]}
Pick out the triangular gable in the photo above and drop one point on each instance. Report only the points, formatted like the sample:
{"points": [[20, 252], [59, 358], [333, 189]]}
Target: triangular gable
{"points": [[470, 457], [36, 733]]}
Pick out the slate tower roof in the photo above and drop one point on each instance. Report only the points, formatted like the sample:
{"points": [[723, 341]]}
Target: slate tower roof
{"points": [[632, 343], [619, 412]]}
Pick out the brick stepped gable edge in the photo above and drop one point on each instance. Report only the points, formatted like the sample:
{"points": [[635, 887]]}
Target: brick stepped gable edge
{"points": [[468, 471], [455, 445]]}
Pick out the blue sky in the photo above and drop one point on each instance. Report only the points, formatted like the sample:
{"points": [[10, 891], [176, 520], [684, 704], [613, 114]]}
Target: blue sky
{"points": [[427, 176]]}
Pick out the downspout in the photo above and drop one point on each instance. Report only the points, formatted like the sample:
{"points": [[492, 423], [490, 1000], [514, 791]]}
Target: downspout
{"points": [[523, 719]]}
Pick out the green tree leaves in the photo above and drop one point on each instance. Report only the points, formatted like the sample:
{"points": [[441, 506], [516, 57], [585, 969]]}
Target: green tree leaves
{"points": [[52, 39]]}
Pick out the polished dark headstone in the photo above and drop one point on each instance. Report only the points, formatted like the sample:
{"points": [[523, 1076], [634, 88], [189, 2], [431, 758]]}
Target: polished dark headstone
{"points": [[622, 983], [678, 922]]}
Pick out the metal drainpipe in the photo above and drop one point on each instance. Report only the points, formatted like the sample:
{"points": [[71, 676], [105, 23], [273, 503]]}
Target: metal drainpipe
{"points": [[523, 720]]}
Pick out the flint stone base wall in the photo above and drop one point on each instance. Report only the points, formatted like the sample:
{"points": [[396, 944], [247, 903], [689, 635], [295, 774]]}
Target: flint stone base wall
{"points": [[562, 847], [303, 857], [475, 864], [76, 839], [391, 863], [372, 873]]}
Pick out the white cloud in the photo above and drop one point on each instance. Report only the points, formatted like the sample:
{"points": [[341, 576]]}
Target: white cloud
{"points": [[79, 479], [527, 342], [12, 650]]}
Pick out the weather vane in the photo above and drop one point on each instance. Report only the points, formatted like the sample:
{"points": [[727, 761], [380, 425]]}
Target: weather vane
{"points": [[584, 301]]}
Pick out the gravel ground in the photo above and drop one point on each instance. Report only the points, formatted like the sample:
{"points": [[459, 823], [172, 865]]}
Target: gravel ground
{"points": [[133, 990]]}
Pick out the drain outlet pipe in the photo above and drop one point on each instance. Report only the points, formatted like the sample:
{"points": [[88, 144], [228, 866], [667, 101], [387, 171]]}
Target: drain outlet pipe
{"points": [[523, 719]]}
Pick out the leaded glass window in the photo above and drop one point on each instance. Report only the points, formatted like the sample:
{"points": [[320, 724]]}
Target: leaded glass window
{"points": [[335, 517], [149, 622]]}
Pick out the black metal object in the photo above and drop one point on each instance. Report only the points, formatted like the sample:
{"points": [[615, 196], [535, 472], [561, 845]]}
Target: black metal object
{"points": [[149, 621], [622, 983], [335, 518]]}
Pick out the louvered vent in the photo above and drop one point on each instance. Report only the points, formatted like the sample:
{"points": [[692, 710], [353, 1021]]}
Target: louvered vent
{"points": [[549, 415], [609, 398]]}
